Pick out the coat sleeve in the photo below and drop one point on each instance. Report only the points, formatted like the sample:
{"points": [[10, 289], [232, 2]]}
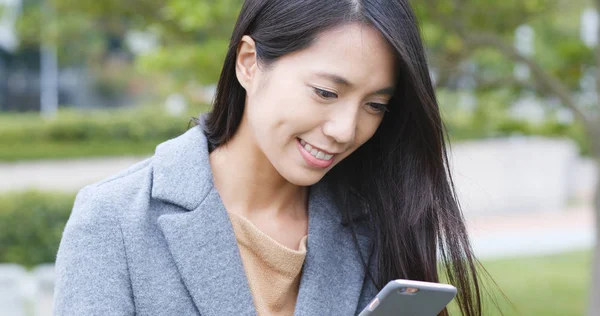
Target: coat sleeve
{"points": [[92, 276]]}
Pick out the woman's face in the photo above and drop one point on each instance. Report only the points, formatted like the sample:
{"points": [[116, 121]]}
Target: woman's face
{"points": [[312, 108]]}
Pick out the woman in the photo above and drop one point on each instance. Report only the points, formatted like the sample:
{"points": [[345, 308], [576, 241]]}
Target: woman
{"points": [[319, 175]]}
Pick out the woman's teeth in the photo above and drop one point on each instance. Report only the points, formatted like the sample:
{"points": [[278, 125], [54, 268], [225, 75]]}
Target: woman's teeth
{"points": [[315, 152]]}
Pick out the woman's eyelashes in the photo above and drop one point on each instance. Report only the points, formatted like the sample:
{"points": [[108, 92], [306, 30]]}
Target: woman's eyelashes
{"points": [[373, 107], [378, 107], [324, 94]]}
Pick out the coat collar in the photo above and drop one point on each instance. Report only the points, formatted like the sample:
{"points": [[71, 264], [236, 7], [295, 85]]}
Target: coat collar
{"points": [[204, 248], [181, 171], [333, 271]]}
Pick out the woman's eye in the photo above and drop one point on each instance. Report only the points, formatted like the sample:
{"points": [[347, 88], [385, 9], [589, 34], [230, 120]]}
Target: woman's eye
{"points": [[325, 94], [378, 107]]}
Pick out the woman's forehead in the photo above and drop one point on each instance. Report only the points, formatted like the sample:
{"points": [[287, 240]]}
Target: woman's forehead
{"points": [[348, 55]]}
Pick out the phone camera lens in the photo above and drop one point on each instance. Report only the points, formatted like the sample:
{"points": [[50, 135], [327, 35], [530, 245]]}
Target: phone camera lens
{"points": [[412, 290], [408, 290]]}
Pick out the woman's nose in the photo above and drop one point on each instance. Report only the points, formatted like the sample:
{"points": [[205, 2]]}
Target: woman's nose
{"points": [[342, 126]]}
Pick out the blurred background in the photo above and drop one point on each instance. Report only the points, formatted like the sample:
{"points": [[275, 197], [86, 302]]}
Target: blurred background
{"points": [[87, 88]]}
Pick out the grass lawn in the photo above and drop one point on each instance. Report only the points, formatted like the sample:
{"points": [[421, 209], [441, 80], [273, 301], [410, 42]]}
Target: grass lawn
{"points": [[555, 285]]}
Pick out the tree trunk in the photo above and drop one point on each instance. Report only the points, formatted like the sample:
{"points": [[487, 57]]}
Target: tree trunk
{"points": [[594, 295]]}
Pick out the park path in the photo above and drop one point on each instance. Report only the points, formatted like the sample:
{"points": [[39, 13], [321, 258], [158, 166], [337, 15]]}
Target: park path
{"points": [[493, 236], [60, 175]]}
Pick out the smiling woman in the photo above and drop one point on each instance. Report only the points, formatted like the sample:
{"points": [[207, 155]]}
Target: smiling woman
{"points": [[319, 175], [309, 104]]}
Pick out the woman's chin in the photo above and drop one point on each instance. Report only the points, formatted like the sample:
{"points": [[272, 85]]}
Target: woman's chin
{"points": [[304, 178]]}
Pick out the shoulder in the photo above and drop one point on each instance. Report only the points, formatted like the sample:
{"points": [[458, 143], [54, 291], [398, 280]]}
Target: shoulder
{"points": [[92, 274], [102, 199], [178, 173]]}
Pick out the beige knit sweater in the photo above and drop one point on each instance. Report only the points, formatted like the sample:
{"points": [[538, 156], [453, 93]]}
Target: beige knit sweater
{"points": [[273, 270]]}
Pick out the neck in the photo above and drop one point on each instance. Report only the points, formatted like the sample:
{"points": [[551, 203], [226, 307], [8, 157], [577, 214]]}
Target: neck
{"points": [[249, 184]]}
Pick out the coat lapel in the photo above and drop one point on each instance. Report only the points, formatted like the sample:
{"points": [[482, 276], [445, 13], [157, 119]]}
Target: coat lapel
{"points": [[201, 238], [333, 272], [205, 251]]}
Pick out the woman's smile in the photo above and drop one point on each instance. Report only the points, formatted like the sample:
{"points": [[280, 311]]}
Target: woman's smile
{"points": [[314, 156]]}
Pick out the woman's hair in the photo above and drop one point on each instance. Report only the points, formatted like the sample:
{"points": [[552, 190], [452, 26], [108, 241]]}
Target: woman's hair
{"points": [[401, 175]]}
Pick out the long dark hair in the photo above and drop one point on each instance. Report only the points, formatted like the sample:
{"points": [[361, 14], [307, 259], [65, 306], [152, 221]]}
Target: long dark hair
{"points": [[401, 175]]}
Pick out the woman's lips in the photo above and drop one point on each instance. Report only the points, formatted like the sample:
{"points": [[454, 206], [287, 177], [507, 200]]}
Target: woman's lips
{"points": [[313, 156]]}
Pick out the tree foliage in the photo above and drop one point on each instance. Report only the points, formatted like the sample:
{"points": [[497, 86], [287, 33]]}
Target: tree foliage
{"points": [[476, 39], [192, 36], [455, 31]]}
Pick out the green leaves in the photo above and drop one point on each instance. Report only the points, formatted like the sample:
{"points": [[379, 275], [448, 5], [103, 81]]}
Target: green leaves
{"points": [[31, 226], [192, 34], [193, 49], [481, 33], [199, 62], [208, 16]]}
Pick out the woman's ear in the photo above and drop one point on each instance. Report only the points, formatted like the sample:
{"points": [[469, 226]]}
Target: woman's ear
{"points": [[245, 63]]}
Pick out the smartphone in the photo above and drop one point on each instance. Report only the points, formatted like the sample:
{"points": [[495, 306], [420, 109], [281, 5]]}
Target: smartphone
{"points": [[410, 298]]}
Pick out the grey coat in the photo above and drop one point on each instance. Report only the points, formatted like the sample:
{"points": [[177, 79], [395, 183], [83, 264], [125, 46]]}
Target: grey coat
{"points": [[156, 240]]}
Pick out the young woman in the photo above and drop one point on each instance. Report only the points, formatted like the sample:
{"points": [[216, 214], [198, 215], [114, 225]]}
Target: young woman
{"points": [[320, 175]]}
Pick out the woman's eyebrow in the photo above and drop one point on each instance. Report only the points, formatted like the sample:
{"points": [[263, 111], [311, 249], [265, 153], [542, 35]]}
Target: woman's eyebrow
{"points": [[345, 82], [387, 91], [335, 78]]}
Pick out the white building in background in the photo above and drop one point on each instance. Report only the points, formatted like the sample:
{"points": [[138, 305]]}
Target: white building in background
{"points": [[517, 174], [589, 27], [10, 10]]}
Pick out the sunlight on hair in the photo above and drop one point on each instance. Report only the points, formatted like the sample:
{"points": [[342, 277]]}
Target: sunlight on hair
{"points": [[357, 5]]}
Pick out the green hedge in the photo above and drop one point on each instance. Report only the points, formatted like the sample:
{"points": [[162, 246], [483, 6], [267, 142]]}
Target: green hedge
{"points": [[88, 133], [132, 125], [489, 116], [31, 225], [510, 127]]}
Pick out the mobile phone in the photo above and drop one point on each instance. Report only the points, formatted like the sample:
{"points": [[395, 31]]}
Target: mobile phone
{"points": [[410, 298]]}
